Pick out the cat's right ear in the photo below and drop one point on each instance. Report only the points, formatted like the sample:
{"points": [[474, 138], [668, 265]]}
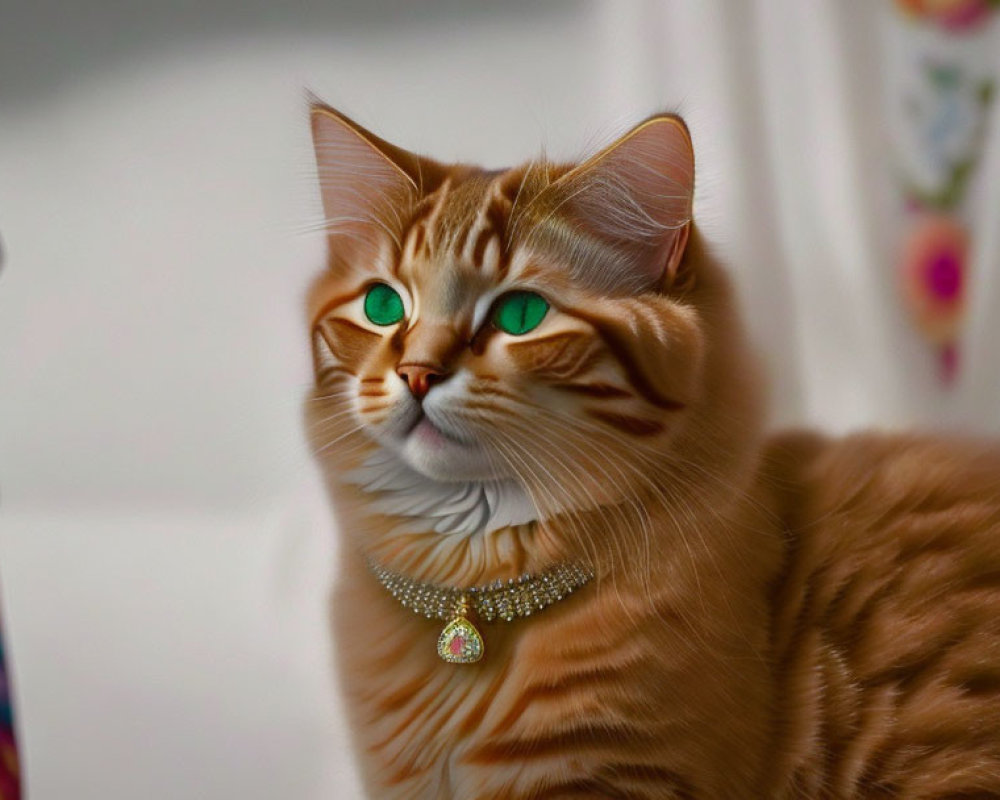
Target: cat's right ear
{"points": [[368, 187], [624, 215]]}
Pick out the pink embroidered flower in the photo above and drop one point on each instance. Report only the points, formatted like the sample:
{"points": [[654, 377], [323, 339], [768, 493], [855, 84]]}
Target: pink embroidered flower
{"points": [[958, 16], [933, 272]]}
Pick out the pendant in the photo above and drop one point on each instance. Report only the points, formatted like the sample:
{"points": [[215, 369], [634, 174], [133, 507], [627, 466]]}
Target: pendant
{"points": [[460, 642]]}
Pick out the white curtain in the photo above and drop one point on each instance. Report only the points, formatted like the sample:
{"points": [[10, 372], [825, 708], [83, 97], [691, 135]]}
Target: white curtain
{"points": [[165, 552], [795, 107]]}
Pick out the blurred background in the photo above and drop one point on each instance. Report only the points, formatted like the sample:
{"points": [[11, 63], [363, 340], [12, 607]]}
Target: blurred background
{"points": [[165, 551]]}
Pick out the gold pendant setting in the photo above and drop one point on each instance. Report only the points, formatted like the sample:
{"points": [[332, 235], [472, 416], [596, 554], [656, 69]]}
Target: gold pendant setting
{"points": [[460, 642]]}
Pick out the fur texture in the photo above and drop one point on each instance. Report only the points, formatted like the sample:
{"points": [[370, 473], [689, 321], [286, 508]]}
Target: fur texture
{"points": [[772, 617]]}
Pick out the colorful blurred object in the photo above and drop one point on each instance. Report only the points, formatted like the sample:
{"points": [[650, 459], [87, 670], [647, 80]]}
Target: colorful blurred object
{"points": [[10, 773]]}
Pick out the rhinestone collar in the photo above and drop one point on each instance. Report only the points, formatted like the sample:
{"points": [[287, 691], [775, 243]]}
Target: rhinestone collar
{"points": [[460, 642]]}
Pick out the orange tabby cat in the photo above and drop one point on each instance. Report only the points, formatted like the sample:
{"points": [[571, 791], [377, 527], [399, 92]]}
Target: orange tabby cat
{"points": [[539, 374]]}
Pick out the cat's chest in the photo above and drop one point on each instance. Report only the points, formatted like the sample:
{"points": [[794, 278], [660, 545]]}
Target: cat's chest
{"points": [[561, 694], [428, 728]]}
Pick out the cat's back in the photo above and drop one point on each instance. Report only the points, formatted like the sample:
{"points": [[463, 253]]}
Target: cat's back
{"points": [[887, 617]]}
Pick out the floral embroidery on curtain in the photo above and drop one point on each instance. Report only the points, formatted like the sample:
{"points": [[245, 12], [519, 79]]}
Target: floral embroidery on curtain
{"points": [[943, 84]]}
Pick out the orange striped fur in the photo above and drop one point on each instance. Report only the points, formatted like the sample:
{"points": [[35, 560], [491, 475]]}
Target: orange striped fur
{"points": [[772, 617]]}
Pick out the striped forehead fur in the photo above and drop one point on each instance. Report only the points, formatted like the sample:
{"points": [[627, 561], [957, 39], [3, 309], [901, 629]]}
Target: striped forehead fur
{"points": [[591, 223]]}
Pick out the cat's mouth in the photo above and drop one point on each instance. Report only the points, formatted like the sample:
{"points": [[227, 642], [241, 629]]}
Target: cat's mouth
{"points": [[436, 434], [434, 445]]}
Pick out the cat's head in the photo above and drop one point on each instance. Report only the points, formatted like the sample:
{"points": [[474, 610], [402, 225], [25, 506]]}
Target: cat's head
{"points": [[538, 325]]}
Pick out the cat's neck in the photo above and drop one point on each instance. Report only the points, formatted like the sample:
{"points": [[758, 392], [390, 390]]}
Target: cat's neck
{"points": [[448, 508]]}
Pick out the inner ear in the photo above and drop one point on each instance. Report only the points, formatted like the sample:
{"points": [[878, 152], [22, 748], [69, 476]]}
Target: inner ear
{"points": [[671, 277]]}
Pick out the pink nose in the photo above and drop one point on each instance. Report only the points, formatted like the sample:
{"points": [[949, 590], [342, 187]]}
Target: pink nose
{"points": [[420, 377]]}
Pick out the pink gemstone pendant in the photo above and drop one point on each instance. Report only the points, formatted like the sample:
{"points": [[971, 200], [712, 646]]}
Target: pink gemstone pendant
{"points": [[460, 642]]}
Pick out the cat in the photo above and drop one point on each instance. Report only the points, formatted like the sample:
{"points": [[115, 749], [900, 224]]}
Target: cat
{"points": [[541, 423]]}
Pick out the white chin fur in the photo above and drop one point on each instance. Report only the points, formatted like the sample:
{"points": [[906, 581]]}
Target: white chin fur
{"points": [[449, 506]]}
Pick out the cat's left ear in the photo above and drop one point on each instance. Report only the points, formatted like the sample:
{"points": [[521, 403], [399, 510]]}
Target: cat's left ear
{"points": [[367, 185], [633, 200]]}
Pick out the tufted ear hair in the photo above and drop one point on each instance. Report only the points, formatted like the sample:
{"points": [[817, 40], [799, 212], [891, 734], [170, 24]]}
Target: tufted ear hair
{"points": [[368, 186], [625, 213]]}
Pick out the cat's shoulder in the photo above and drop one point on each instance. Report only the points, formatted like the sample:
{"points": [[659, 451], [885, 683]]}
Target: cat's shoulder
{"points": [[884, 631], [872, 483]]}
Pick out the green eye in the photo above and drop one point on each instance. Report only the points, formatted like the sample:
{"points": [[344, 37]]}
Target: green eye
{"points": [[519, 312], [383, 305]]}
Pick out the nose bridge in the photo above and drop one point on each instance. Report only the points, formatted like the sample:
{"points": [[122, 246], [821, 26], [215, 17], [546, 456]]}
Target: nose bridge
{"points": [[431, 342]]}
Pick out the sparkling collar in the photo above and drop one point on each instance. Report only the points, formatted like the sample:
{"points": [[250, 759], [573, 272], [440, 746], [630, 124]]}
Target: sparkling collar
{"points": [[460, 642]]}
